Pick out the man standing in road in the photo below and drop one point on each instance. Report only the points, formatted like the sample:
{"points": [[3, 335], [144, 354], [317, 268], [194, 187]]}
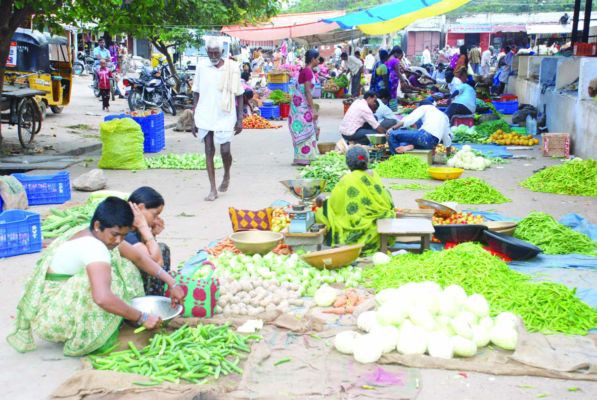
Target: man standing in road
{"points": [[474, 57], [101, 52], [426, 56], [486, 61], [355, 67], [217, 107]]}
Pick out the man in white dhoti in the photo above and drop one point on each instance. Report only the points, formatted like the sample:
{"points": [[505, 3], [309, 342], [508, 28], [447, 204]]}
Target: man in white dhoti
{"points": [[217, 110]]}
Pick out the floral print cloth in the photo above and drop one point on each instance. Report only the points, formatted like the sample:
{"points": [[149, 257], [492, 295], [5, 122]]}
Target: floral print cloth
{"points": [[302, 126], [63, 310]]}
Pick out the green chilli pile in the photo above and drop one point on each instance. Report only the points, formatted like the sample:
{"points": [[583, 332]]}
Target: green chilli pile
{"points": [[545, 307], [552, 237], [411, 186], [469, 190], [575, 177], [190, 354], [330, 167], [404, 166], [180, 161]]}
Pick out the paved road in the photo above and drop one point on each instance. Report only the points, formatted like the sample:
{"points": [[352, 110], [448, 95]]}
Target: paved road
{"points": [[261, 159]]}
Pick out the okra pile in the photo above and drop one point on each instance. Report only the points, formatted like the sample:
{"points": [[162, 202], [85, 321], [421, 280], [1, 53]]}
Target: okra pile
{"points": [[190, 354]]}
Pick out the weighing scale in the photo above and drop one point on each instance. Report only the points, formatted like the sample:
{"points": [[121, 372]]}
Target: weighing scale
{"points": [[306, 190], [377, 149]]}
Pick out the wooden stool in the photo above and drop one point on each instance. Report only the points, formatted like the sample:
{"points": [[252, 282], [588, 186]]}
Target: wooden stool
{"points": [[396, 227]]}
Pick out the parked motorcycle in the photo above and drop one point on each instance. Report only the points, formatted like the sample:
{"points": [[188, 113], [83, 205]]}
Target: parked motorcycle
{"points": [[153, 89], [84, 64]]}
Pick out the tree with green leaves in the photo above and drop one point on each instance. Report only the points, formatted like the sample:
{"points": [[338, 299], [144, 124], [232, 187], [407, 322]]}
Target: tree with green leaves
{"points": [[170, 23]]}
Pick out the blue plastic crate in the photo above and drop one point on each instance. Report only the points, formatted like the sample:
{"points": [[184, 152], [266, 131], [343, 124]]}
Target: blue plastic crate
{"points": [[506, 107], [46, 189], [270, 112], [153, 132], [285, 87], [114, 116], [1, 204], [20, 233]]}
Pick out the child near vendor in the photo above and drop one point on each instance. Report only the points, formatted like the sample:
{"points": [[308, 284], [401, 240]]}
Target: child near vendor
{"points": [[103, 79]]}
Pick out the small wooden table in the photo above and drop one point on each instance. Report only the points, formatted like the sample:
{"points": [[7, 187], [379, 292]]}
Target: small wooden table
{"points": [[396, 227]]}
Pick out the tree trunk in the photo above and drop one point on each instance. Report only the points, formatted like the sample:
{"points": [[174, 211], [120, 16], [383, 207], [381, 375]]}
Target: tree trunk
{"points": [[163, 49]]}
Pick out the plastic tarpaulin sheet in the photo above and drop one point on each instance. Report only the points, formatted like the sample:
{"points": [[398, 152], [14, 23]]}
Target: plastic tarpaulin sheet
{"points": [[396, 15], [285, 26], [489, 150]]}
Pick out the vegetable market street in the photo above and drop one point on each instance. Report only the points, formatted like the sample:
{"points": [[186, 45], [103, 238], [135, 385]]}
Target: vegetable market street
{"points": [[262, 158]]}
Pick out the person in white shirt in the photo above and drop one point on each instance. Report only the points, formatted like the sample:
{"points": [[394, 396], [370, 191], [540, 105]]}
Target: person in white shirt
{"points": [[435, 129], [355, 67], [486, 61], [369, 62], [218, 110], [426, 56], [384, 114]]}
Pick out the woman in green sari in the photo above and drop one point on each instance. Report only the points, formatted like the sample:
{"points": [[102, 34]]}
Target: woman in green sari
{"points": [[355, 204], [81, 286]]}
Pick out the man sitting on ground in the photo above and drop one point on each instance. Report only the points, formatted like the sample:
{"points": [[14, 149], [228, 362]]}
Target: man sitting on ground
{"points": [[360, 121]]}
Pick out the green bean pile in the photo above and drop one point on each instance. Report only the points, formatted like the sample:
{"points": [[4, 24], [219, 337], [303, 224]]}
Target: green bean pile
{"points": [[181, 161], [552, 237], [544, 306], [575, 177], [192, 354], [411, 186], [404, 166], [466, 191], [60, 221]]}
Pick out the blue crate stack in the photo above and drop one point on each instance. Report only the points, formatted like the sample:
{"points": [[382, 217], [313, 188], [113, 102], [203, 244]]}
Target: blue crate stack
{"points": [[20, 233], [285, 87], [506, 107], [153, 128], [46, 189], [270, 112]]}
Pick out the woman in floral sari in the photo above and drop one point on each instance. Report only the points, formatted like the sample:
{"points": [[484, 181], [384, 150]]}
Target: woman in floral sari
{"points": [[356, 203], [302, 120], [81, 287]]}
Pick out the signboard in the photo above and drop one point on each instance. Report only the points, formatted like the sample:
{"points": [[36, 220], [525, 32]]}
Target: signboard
{"points": [[11, 61]]}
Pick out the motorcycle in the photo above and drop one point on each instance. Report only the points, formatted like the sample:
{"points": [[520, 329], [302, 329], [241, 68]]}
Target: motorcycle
{"points": [[84, 64], [95, 84], [183, 97], [153, 89]]}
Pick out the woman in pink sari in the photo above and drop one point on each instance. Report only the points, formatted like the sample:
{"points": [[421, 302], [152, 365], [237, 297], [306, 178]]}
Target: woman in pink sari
{"points": [[302, 120]]}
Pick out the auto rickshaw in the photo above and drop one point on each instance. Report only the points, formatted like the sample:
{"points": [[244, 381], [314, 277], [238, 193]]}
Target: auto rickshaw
{"points": [[43, 62]]}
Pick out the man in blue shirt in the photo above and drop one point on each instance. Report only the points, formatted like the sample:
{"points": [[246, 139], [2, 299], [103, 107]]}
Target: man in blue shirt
{"points": [[384, 114], [101, 52], [464, 98]]}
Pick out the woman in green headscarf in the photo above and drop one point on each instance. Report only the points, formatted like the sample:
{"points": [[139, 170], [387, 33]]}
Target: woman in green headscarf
{"points": [[355, 205]]}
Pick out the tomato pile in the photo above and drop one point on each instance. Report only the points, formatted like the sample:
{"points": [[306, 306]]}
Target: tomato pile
{"points": [[258, 122], [459, 218]]}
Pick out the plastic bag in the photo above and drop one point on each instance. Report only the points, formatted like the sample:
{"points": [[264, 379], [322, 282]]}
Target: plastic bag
{"points": [[13, 194], [122, 145]]}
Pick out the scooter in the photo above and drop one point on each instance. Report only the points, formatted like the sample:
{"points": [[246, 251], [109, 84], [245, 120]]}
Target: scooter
{"points": [[84, 64]]}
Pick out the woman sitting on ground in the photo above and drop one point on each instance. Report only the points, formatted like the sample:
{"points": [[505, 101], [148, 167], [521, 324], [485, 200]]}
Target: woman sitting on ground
{"points": [[355, 204], [147, 206], [82, 286]]}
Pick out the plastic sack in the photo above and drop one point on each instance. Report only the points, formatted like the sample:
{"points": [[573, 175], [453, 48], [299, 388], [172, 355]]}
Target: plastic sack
{"points": [[12, 194], [122, 145]]}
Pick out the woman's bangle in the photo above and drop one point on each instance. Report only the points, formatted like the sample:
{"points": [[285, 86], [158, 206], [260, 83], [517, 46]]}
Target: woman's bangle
{"points": [[142, 318], [160, 272]]}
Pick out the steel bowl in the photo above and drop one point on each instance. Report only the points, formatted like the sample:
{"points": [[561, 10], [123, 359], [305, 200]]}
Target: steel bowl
{"points": [[256, 242], [304, 189], [157, 305], [440, 209], [333, 258], [377, 138]]}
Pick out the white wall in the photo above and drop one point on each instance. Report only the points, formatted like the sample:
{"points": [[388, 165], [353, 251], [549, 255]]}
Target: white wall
{"points": [[574, 113]]}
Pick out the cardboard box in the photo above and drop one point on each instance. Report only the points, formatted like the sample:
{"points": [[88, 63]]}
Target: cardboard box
{"points": [[556, 145]]}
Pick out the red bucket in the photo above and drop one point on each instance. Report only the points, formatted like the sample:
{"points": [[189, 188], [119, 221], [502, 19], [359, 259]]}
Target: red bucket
{"points": [[284, 110]]}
